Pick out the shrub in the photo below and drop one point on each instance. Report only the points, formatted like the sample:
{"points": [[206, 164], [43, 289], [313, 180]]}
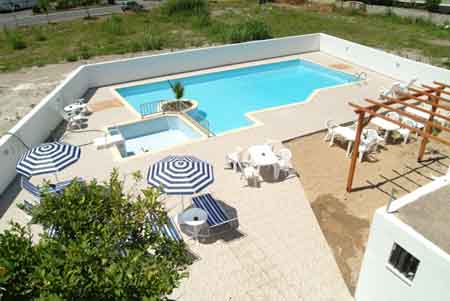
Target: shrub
{"points": [[114, 25], [193, 7], [248, 31], [85, 52], [102, 247], [39, 34], [152, 42], [135, 46], [432, 5], [15, 39], [72, 57]]}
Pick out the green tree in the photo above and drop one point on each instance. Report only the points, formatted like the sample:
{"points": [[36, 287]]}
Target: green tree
{"points": [[432, 5], [44, 5], [102, 246]]}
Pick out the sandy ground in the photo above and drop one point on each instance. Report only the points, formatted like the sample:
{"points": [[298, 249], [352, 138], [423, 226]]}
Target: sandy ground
{"points": [[20, 91], [345, 218]]}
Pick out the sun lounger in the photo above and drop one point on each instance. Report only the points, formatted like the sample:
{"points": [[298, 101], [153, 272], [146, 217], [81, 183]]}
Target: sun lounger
{"points": [[216, 214], [37, 191], [168, 230]]}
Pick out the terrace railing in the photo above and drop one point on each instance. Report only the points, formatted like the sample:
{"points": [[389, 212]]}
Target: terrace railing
{"points": [[153, 107]]}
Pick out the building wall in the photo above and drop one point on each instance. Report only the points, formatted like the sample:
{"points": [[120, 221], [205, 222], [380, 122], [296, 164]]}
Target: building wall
{"points": [[378, 283], [381, 61]]}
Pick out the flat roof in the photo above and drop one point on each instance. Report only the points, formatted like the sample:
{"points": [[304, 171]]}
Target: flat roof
{"points": [[430, 216]]}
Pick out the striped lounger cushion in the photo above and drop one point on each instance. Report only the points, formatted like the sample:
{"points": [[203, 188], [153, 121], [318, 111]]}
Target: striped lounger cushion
{"points": [[216, 214], [168, 230]]}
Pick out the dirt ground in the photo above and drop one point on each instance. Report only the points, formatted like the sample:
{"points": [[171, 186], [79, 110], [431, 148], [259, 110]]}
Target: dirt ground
{"points": [[345, 218], [20, 91]]}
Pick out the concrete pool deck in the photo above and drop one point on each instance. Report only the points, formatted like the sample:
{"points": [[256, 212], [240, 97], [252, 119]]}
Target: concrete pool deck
{"points": [[279, 252]]}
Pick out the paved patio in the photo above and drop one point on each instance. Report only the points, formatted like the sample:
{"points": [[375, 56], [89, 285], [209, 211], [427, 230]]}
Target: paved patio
{"points": [[279, 252]]}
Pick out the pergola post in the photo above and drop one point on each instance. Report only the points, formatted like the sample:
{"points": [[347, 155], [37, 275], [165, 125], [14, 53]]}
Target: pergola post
{"points": [[354, 160], [428, 127]]}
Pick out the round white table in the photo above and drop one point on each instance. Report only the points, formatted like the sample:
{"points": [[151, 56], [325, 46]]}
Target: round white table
{"points": [[73, 107], [195, 218], [262, 155]]}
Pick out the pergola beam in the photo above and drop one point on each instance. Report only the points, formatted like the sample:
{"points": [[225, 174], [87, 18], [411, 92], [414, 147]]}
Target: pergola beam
{"points": [[446, 118], [425, 93], [440, 89], [359, 108], [412, 116]]}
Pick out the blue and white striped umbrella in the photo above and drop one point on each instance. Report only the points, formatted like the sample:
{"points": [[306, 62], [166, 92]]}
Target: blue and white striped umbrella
{"points": [[47, 158], [180, 175]]}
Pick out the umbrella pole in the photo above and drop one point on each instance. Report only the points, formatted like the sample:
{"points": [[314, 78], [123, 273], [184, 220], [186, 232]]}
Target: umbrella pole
{"points": [[56, 177], [182, 202]]}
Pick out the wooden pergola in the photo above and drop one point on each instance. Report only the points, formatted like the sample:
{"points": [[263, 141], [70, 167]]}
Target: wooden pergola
{"points": [[437, 97]]}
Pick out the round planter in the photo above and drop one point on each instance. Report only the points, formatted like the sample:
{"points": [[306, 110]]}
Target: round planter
{"points": [[193, 105]]}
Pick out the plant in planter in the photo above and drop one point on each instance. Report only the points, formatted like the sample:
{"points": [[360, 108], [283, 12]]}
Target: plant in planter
{"points": [[178, 104], [178, 90]]}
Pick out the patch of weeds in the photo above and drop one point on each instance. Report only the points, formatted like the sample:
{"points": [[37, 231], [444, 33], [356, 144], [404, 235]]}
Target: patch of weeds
{"points": [[152, 41], [193, 7], [72, 57], [248, 31], [135, 46], [39, 34], [85, 52], [114, 25], [15, 39]]}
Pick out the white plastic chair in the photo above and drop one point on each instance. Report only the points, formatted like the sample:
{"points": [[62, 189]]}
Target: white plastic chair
{"points": [[250, 174], [367, 146], [284, 162], [330, 125], [74, 121], [233, 159], [404, 132]]}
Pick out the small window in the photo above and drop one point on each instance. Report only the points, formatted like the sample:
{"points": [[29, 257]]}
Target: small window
{"points": [[405, 263]]}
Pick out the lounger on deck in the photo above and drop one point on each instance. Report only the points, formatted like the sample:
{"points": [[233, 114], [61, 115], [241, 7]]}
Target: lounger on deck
{"points": [[216, 214], [168, 230], [37, 191]]}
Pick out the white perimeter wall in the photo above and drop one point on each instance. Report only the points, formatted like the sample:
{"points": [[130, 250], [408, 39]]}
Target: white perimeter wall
{"points": [[382, 62], [377, 283], [36, 126]]}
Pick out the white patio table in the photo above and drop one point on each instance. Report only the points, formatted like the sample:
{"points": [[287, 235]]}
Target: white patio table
{"points": [[74, 107], [385, 125], [262, 155], [347, 133], [195, 218]]}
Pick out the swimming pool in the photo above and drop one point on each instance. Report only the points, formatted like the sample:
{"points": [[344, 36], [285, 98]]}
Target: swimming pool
{"points": [[153, 135], [225, 97]]}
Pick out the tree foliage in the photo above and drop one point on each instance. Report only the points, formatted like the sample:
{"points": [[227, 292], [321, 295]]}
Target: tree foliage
{"points": [[101, 246]]}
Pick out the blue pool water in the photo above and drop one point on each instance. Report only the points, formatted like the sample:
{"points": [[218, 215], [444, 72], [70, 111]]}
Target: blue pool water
{"points": [[153, 135], [225, 97]]}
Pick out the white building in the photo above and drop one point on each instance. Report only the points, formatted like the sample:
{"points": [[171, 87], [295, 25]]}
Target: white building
{"points": [[407, 256]]}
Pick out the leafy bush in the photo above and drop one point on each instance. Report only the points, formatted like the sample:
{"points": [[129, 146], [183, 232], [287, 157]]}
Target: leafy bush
{"points": [[432, 5], [102, 248], [85, 52], [15, 39], [248, 31], [193, 7], [152, 42], [72, 57], [39, 34], [114, 25]]}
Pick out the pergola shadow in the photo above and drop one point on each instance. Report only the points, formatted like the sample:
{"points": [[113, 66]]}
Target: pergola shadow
{"points": [[412, 175]]}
